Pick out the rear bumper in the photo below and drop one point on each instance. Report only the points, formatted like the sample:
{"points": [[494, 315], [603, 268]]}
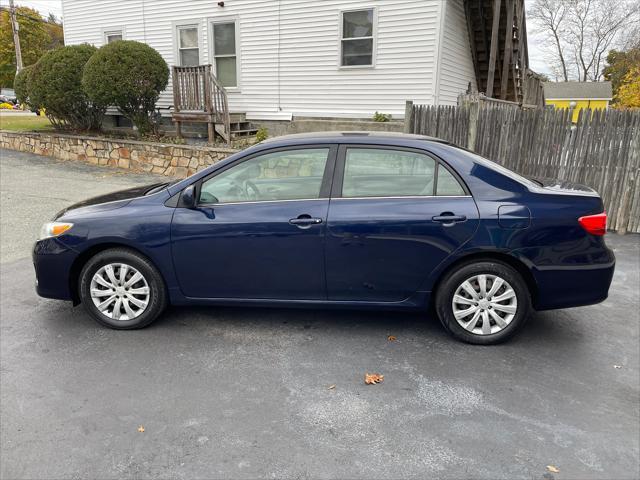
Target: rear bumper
{"points": [[564, 287], [52, 262]]}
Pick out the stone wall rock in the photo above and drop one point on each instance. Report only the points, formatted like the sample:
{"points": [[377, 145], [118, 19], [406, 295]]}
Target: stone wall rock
{"points": [[174, 161]]}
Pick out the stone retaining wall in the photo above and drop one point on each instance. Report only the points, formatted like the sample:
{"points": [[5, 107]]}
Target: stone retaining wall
{"points": [[164, 159]]}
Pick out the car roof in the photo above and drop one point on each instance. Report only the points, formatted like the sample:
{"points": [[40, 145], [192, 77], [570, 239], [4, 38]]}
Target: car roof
{"points": [[395, 138]]}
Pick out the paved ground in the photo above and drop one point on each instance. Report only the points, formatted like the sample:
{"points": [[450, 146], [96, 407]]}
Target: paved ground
{"points": [[33, 189], [243, 393]]}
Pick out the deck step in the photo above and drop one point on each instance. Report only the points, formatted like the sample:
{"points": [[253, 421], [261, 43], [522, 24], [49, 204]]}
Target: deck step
{"points": [[244, 132]]}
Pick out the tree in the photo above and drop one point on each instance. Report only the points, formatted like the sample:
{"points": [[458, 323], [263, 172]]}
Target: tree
{"points": [[55, 84], [129, 75], [550, 16], [21, 85], [619, 63], [36, 37], [580, 33], [628, 95]]}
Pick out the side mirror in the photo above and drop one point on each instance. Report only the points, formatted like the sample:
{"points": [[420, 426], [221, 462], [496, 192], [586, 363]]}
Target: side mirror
{"points": [[188, 198]]}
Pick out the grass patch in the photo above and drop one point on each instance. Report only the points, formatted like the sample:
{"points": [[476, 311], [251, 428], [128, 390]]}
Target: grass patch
{"points": [[27, 123]]}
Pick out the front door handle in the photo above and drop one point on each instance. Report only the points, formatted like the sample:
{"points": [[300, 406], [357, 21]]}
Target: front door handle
{"points": [[305, 221], [448, 218]]}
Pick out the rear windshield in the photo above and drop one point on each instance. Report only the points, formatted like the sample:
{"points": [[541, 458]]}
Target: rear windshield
{"points": [[498, 168]]}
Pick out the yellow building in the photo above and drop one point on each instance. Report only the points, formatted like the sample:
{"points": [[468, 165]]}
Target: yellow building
{"points": [[578, 95]]}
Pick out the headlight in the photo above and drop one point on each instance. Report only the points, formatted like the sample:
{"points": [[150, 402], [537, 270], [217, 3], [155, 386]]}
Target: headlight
{"points": [[54, 229]]}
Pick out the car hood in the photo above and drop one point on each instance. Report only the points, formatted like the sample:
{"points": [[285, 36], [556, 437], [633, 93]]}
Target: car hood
{"points": [[108, 201], [558, 185]]}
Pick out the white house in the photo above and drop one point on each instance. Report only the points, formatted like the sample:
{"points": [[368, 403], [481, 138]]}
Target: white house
{"points": [[300, 58]]}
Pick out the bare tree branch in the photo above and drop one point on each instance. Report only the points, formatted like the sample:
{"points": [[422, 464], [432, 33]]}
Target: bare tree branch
{"points": [[583, 31]]}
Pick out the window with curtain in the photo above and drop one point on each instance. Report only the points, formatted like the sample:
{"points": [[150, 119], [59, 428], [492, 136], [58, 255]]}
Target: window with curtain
{"points": [[224, 53], [188, 47], [112, 36], [357, 38]]}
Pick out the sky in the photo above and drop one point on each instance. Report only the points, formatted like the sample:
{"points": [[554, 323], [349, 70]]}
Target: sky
{"points": [[536, 60]]}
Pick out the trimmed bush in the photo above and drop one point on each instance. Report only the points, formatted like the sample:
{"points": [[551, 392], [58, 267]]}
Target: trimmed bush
{"points": [[55, 84], [129, 75], [21, 85]]}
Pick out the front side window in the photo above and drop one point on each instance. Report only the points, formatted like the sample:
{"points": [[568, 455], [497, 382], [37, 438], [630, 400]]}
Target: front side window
{"points": [[224, 53], [112, 36], [357, 38], [370, 172], [283, 175], [188, 48]]}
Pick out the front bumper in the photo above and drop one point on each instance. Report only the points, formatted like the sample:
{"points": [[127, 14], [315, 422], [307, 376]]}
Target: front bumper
{"points": [[53, 261]]}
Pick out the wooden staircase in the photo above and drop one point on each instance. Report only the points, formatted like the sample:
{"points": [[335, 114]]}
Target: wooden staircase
{"points": [[498, 37], [198, 97]]}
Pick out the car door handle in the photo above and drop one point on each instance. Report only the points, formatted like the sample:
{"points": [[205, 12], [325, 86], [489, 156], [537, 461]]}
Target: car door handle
{"points": [[449, 218], [305, 221]]}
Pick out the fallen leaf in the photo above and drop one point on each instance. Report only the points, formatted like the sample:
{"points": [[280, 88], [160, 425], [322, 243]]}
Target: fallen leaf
{"points": [[331, 387], [617, 366], [553, 469], [392, 338], [141, 429], [373, 378]]}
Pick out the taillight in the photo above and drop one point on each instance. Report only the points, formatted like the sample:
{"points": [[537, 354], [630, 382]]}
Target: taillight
{"points": [[594, 224]]}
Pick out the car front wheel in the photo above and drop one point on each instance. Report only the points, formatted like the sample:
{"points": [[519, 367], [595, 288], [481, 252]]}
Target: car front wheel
{"points": [[484, 302], [121, 289]]}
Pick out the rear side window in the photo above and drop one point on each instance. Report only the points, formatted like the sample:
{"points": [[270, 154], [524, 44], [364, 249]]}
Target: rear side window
{"points": [[373, 172], [447, 183]]}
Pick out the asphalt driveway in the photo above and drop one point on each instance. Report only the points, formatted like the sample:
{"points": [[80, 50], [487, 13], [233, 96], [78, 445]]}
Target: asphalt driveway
{"points": [[246, 393]]}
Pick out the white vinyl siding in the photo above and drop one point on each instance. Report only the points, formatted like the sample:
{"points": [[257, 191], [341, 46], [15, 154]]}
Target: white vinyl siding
{"points": [[456, 63], [288, 58]]}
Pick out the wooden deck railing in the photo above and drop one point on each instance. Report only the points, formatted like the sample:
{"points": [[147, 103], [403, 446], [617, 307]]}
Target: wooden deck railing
{"points": [[198, 96]]}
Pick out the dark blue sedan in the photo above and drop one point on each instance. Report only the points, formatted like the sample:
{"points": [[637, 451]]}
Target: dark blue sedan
{"points": [[336, 219]]}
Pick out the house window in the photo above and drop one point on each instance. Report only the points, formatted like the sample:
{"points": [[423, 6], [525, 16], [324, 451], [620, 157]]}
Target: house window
{"points": [[224, 53], [112, 36], [188, 49], [357, 38]]}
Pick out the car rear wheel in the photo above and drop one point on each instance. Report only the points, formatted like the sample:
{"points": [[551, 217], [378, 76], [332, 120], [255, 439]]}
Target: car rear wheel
{"points": [[484, 302], [122, 290]]}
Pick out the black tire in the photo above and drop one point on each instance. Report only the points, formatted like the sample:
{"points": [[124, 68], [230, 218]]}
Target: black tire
{"points": [[451, 282], [157, 292]]}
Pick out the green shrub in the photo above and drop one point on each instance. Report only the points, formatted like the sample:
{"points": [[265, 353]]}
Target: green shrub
{"points": [[129, 75], [21, 85], [55, 84], [262, 134], [381, 117]]}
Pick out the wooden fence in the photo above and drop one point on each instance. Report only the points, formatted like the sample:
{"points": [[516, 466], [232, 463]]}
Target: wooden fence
{"points": [[602, 150]]}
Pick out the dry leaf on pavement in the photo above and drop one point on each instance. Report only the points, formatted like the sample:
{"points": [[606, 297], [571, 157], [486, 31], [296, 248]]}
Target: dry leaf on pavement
{"points": [[553, 469], [373, 378], [392, 338], [141, 429]]}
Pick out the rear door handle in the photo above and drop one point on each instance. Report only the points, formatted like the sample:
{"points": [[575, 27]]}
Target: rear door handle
{"points": [[305, 221], [449, 218]]}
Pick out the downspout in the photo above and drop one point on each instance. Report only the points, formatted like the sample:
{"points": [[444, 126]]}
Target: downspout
{"points": [[439, 42]]}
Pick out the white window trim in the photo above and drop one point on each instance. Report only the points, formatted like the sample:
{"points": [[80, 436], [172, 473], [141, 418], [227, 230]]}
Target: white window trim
{"points": [[113, 30], [212, 59], [374, 36], [176, 26]]}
